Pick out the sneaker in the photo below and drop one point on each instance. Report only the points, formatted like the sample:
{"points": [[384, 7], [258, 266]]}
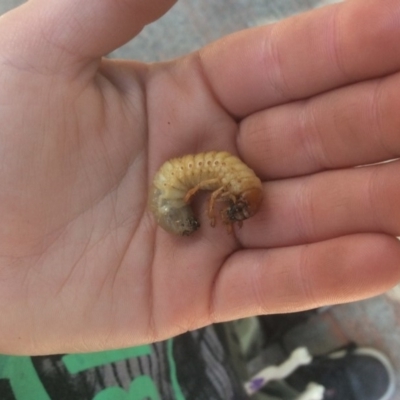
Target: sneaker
{"points": [[350, 373]]}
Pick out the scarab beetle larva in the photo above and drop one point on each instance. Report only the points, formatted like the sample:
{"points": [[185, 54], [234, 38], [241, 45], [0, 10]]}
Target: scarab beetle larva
{"points": [[231, 181]]}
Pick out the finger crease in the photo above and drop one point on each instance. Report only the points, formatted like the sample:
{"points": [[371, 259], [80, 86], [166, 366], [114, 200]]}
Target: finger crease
{"points": [[273, 64], [334, 43], [372, 195], [376, 111], [304, 278], [313, 138], [304, 213]]}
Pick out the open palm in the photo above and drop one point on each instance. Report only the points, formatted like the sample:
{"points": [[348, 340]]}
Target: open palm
{"points": [[83, 264]]}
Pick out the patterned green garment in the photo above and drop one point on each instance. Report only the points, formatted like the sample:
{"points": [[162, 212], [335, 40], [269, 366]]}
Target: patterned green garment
{"points": [[193, 366]]}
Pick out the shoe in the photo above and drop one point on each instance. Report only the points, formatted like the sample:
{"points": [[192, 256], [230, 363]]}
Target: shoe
{"points": [[350, 373], [276, 326]]}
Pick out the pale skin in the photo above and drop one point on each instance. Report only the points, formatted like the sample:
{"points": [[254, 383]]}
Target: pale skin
{"points": [[83, 265]]}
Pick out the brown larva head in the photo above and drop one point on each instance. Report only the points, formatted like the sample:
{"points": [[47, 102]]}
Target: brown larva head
{"points": [[246, 205]]}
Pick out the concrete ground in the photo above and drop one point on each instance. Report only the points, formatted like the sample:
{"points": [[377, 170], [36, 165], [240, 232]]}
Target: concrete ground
{"points": [[190, 25]]}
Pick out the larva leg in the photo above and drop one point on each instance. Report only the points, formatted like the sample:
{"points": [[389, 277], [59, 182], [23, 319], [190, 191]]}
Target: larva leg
{"points": [[204, 185], [215, 196], [229, 224], [226, 196]]}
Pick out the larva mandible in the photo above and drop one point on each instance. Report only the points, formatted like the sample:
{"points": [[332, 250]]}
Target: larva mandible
{"points": [[231, 181]]}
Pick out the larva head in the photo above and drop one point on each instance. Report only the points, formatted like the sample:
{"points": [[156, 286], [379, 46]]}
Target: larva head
{"points": [[245, 206]]}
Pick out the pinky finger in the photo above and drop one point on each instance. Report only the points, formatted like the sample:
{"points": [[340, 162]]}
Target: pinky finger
{"points": [[349, 268]]}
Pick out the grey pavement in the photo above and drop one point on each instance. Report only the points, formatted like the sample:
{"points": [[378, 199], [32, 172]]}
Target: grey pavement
{"points": [[191, 24]]}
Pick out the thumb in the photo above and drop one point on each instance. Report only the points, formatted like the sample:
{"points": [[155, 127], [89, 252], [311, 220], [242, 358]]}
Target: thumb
{"points": [[73, 31]]}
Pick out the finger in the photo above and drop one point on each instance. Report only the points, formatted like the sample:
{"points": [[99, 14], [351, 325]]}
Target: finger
{"points": [[304, 55], [327, 205], [50, 33], [297, 278], [354, 125]]}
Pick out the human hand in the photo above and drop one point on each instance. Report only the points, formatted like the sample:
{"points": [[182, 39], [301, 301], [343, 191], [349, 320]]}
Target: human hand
{"points": [[84, 266]]}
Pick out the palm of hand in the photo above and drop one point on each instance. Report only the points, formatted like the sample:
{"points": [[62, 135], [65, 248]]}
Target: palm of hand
{"points": [[77, 227]]}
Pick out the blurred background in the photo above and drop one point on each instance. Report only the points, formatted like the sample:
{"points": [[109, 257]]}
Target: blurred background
{"points": [[190, 25]]}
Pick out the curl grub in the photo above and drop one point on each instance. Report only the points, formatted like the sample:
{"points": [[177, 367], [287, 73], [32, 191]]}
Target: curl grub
{"points": [[232, 183]]}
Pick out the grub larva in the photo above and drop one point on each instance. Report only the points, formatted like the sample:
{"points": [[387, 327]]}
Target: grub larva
{"points": [[231, 181]]}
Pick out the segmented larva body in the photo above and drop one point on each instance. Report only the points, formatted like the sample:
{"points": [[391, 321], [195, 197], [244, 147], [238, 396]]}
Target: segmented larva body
{"points": [[231, 181]]}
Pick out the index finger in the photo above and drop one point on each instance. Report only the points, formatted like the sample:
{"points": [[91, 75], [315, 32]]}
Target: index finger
{"points": [[304, 55]]}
